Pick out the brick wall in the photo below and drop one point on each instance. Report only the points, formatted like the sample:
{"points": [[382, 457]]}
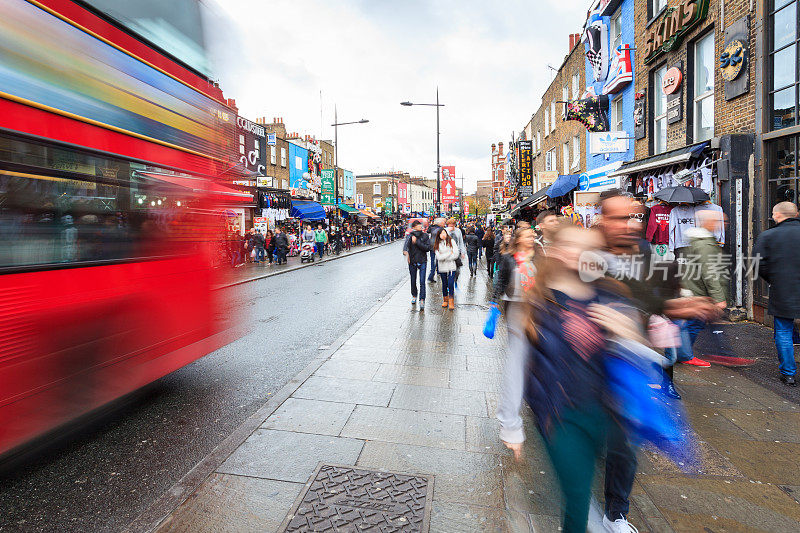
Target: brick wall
{"points": [[734, 116]]}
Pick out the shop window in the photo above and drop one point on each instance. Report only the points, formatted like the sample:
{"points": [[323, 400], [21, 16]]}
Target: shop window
{"points": [[703, 110], [272, 156], [617, 114], [782, 171], [616, 31], [576, 151], [283, 157], [659, 112], [783, 65]]}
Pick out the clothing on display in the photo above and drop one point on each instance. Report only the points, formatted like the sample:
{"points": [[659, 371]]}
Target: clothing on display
{"points": [[658, 224], [275, 215], [682, 217], [587, 212]]}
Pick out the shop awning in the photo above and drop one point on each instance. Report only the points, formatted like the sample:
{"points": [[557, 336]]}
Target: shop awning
{"points": [[347, 209], [307, 210], [368, 214], [681, 155], [563, 184], [537, 197], [202, 186]]}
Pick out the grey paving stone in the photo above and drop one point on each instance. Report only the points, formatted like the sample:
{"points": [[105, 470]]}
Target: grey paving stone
{"points": [[407, 427], [234, 503], [477, 381], [438, 400], [476, 363], [458, 518], [287, 456], [461, 477], [492, 400], [310, 416], [483, 435], [345, 391], [413, 375], [365, 354], [347, 368], [431, 359]]}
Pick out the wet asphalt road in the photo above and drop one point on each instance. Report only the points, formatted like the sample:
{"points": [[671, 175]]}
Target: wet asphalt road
{"points": [[106, 476]]}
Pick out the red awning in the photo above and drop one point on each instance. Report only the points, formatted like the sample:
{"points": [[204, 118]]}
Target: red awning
{"points": [[208, 188]]}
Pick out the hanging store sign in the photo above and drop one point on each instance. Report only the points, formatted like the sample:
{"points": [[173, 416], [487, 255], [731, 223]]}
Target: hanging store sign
{"points": [[674, 91], [612, 142], [525, 168], [326, 195], [733, 61], [666, 33], [639, 117]]}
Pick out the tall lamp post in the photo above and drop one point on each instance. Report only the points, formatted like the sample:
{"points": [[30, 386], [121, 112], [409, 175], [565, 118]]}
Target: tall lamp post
{"points": [[438, 163], [336, 125]]}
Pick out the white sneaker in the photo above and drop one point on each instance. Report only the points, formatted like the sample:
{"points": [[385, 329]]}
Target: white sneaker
{"points": [[620, 525], [595, 522]]}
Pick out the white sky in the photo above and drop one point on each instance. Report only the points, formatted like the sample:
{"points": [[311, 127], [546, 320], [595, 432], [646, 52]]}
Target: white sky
{"points": [[366, 56]]}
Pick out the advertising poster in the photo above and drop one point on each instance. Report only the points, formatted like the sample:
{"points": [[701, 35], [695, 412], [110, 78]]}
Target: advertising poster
{"points": [[525, 169], [449, 194], [327, 192]]}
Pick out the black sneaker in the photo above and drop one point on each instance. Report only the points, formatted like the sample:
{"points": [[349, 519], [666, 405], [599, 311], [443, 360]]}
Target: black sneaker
{"points": [[789, 381]]}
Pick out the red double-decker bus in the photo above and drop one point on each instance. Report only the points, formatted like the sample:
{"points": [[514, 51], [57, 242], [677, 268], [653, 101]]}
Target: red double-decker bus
{"points": [[110, 150]]}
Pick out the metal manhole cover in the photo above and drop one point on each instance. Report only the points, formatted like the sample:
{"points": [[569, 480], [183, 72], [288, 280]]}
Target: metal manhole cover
{"points": [[348, 499]]}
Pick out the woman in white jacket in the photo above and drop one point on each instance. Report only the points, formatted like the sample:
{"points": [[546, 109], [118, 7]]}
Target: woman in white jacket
{"points": [[447, 252]]}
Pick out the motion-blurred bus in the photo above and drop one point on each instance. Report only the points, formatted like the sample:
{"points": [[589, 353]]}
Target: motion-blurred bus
{"points": [[111, 156]]}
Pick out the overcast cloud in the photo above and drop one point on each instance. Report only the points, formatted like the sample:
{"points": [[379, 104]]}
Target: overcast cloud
{"points": [[366, 56]]}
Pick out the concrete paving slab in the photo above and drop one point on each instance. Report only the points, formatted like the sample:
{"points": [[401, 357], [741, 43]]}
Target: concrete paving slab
{"points": [[461, 477], [233, 503], [710, 462], [716, 396], [368, 354], [345, 391], [765, 425], [348, 369], [438, 400], [432, 360], [765, 462], [482, 435], [492, 399], [413, 375], [476, 363], [288, 456], [406, 427], [710, 422], [310, 416], [456, 518], [477, 381]]}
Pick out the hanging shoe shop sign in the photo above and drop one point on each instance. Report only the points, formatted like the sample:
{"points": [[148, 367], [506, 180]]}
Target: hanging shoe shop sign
{"points": [[733, 60], [665, 34]]}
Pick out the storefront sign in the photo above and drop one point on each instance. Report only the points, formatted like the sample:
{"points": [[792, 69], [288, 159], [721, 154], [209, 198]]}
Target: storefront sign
{"points": [[639, 117], [597, 179], [327, 188], [525, 168], [264, 181], [666, 33], [545, 178], [733, 62], [271, 139], [245, 183], [252, 145], [672, 83], [361, 206], [612, 142]]}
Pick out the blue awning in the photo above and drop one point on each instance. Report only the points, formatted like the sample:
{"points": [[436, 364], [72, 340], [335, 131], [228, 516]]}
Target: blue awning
{"points": [[307, 210], [563, 184]]}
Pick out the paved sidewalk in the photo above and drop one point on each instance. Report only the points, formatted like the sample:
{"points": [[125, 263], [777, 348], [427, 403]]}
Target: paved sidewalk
{"points": [[251, 271], [416, 393]]}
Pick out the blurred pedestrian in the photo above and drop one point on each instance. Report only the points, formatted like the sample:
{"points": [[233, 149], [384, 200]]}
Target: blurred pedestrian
{"points": [[778, 249], [281, 246], [566, 326], [270, 237], [546, 222], [479, 232], [447, 254], [473, 244], [488, 244], [260, 246], [320, 239], [458, 240], [434, 230]]}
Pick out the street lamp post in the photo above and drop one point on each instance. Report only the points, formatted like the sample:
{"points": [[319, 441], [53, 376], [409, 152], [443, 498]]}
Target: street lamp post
{"points": [[336, 125], [438, 163]]}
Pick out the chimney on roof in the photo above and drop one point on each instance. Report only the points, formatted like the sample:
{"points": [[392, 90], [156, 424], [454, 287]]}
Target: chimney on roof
{"points": [[574, 40]]}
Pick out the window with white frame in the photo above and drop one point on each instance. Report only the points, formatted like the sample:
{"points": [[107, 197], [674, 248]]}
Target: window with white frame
{"points": [[284, 184], [565, 157], [553, 116], [283, 157], [298, 162], [546, 122], [576, 87], [549, 160], [376, 188], [703, 109], [538, 140], [576, 151], [616, 31], [272, 155], [564, 93], [659, 112], [617, 114], [656, 6], [241, 144]]}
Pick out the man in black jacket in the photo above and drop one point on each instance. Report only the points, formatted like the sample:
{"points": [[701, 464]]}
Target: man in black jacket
{"points": [[281, 245], [416, 250], [777, 249]]}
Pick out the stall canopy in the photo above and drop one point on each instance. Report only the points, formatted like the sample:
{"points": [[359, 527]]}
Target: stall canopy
{"points": [[348, 210], [537, 197], [563, 184], [680, 155], [368, 214], [307, 210]]}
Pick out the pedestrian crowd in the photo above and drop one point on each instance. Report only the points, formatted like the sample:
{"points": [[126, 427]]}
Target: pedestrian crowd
{"points": [[592, 341], [276, 245]]}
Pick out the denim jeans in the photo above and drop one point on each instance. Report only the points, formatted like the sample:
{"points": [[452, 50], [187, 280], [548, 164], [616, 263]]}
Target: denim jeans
{"points": [[320, 249], [280, 255], [784, 328], [432, 273], [473, 261], [260, 254], [412, 270], [690, 329], [448, 283]]}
